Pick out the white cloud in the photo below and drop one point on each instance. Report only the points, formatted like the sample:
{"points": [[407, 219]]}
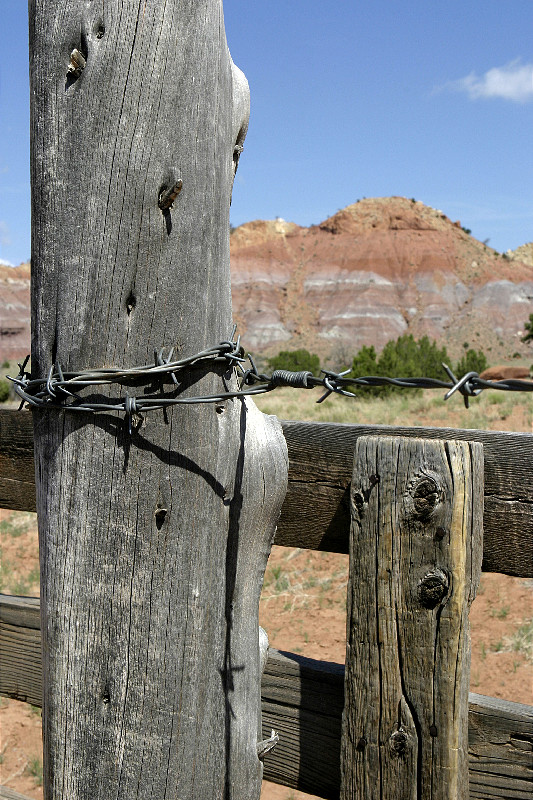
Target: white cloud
{"points": [[514, 81], [4, 263]]}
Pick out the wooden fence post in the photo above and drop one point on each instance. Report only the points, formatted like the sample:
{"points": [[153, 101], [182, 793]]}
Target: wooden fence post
{"points": [[415, 563], [153, 543]]}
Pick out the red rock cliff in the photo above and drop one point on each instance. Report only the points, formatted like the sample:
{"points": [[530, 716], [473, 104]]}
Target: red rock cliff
{"points": [[375, 270]]}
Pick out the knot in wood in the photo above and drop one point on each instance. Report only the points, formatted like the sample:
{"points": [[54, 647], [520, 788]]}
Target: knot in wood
{"points": [[398, 742], [426, 495], [433, 588]]}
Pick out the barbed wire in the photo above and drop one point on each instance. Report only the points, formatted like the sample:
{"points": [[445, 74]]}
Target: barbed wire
{"points": [[61, 389]]}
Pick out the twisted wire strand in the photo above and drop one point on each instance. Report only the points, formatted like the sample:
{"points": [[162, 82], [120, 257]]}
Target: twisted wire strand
{"points": [[60, 390]]}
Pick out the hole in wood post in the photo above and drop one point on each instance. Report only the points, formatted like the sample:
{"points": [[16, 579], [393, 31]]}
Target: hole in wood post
{"points": [[131, 302], [237, 150], [106, 697], [99, 29], [160, 516], [358, 501], [168, 220]]}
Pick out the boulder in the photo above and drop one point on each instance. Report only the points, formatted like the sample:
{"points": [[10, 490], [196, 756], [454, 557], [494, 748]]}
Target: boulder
{"points": [[502, 373]]}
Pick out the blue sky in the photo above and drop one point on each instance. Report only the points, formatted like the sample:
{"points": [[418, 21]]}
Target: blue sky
{"points": [[349, 100]]}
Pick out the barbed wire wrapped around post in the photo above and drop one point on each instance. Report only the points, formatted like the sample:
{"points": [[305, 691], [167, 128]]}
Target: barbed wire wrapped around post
{"points": [[61, 390]]}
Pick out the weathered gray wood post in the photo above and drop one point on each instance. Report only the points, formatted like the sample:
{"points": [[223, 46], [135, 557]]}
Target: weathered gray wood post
{"points": [[415, 563], [153, 546]]}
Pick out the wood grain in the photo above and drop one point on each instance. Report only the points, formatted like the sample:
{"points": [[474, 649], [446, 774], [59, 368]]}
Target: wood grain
{"points": [[17, 466], [315, 512], [153, 544], [500, 747], [415, 563], [303, 699], [320, 472], [8, 794]]}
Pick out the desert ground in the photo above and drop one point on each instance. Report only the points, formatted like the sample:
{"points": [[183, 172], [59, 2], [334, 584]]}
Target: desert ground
{"points": [[304, 594]]}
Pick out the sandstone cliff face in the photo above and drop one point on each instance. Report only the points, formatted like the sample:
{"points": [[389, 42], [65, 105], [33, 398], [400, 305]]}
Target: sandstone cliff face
{"points": [[523, 253], [14, 312], [375, 270]]}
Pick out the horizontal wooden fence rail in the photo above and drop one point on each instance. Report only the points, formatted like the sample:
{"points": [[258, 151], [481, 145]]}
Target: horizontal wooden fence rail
{"points": [[316, 510], [303, 700], [320, 472]]}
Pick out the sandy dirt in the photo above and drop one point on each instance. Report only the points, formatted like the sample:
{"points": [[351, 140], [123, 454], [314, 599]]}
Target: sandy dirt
{"points": [[303, 610]]}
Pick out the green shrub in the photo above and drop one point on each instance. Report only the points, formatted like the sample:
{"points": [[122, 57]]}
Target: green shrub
{"points": [[472, 361], [404, 358], [4, 390], [365, 362], [529, 330], [408, 358], [295, 361]]}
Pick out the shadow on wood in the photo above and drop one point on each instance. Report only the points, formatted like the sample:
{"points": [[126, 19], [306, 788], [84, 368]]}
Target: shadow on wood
{"points": [[320, 472]]}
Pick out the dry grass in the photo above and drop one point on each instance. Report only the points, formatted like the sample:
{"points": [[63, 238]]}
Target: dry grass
{"points": [[522, 640], [493, 410]]}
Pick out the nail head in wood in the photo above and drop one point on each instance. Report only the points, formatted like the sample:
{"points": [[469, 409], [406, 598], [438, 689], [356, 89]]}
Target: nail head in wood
{"points": [[168, 195], [76, 64], [266, 745]]}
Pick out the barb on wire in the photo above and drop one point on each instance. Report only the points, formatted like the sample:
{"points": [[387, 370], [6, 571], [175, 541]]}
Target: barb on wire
{"points": [[61, 390]]}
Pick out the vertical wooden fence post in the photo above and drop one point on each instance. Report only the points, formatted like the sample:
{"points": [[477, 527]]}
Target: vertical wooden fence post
{"points": [[153, 542], [415, 563]]}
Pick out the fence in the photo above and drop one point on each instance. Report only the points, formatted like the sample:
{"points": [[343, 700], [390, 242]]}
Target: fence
{"points": [[413, 504]]}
